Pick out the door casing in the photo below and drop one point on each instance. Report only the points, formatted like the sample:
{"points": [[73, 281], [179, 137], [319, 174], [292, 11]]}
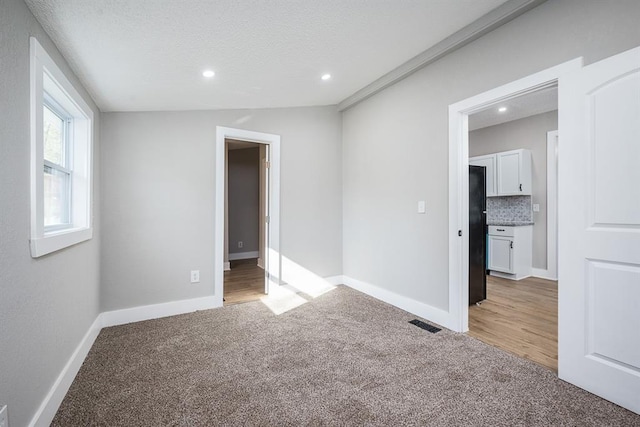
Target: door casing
{"points": [[459, 179], [272, 244]]}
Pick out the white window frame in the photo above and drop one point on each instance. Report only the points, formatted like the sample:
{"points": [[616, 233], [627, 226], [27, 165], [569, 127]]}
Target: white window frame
{"points": [[66, 167], [47, 77]]}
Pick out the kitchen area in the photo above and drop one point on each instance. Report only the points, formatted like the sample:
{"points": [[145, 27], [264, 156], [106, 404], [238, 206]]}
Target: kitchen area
{"points": [[512, 276]]}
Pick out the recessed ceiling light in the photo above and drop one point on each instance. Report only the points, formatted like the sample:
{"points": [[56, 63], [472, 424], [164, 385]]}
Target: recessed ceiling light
{"points": [[326, 76], [502, 109], [208, 73]]}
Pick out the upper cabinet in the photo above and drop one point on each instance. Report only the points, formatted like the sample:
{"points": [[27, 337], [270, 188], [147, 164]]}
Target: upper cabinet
{"points": [[488, 162], [508, 172]]}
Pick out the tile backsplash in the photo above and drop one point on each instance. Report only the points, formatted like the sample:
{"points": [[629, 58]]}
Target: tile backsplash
{"points": [[509, 208]]}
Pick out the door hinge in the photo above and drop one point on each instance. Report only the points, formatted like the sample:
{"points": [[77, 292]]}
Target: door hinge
{"points": [[460, 233], [268, 219], [267, 165]]}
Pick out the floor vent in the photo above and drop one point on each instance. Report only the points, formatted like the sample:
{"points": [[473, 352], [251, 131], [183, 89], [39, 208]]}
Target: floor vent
{"points": [[425, 326]]}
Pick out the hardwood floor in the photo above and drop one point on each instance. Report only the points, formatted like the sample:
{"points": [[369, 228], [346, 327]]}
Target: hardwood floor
{"points": [[520, 317], [244, 282]]}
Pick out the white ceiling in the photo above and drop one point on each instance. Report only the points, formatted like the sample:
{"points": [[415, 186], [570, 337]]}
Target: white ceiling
{"points": [[537, 102], [140, 55]]}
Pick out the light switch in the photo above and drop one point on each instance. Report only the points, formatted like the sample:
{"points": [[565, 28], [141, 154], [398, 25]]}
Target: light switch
{"points": [[536, 207], [422, 207]]}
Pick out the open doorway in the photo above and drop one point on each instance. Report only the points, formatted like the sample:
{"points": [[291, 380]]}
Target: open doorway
{"points": [[505, 253], [246, 195], [264, 262], [513, 293]]}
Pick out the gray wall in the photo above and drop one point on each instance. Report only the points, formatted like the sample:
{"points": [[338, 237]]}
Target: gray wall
{"points": [[529, 133], [158, 197], [46, 304], [395, 144], [244, 199]]}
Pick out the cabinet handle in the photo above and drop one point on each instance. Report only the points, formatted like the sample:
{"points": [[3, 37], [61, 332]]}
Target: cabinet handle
{"points": [[511, 245], [520, 187], [499, 229]]}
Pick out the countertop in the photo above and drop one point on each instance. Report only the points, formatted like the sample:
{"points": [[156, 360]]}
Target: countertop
{"points": [[510, 223]]}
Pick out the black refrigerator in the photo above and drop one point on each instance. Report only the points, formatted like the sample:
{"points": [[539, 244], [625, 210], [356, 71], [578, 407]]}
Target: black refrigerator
{"points": [[477, 234]]}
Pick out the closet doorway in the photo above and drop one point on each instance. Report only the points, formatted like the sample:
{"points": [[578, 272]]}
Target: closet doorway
{"points": [[247, 215], [245, 220]]}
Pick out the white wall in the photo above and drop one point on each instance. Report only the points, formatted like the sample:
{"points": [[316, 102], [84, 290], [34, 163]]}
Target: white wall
{"points": [[529, 133], [395, 144], [46, 304], [158, 197], [244, 199]]}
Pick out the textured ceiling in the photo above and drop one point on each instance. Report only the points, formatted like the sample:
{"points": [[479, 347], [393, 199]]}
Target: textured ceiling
{"points": [[538, 102], [138, 55]]}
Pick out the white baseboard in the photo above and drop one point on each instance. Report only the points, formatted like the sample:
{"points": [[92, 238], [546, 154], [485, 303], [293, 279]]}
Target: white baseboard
{"points": [[335, 280], [542, 274], [52, 401], [508, 276], [156, 311], [244, 255], [226, 266], [49, 406], [261, 263], [433, 314]]}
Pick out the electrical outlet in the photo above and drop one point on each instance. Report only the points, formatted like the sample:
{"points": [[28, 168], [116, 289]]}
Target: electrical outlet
{"points": [[536, 207], [240, 244], [4, 418], [195, 276]]}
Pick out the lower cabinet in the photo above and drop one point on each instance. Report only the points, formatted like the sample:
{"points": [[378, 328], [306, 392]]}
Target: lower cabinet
{"points": [[510, 251]]}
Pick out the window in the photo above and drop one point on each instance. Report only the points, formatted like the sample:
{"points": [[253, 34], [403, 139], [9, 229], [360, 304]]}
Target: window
{"points": [[61, 158]]}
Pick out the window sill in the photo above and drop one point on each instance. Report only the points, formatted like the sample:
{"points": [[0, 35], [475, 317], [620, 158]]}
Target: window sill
{"points": [[59, 240]]}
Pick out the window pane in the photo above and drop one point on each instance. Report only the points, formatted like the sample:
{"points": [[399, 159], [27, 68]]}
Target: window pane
{"points": [[56, 197], [53, 127]]}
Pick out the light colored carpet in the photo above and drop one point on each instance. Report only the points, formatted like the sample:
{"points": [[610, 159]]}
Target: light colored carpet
{"points": [[341, 359]]}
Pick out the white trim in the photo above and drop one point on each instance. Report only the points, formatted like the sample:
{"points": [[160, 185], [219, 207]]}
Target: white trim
{"points": [[46, 75], [49, 406], [552, 204], [55, 242], [335, 280], [543, 274], [509, 276], [243, 255], [157, 311], [433, 314], [227, 266], [459, 178], [273, 245], [260, 263], [483, 25]]}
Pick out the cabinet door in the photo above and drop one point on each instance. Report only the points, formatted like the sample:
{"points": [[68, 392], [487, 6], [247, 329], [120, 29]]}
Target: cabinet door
{"points": [[488, 162], [509, 182], [501, 254]]}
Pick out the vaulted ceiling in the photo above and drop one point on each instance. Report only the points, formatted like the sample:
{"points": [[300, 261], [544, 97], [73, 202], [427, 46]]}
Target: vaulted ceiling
{"points": [[139, 55]]}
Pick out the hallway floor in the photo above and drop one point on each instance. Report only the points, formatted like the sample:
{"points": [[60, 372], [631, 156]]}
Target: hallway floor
{"points": [[244, 282]]}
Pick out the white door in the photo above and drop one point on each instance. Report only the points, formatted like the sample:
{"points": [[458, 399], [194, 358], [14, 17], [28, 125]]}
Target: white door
{"points": [[267, 217], [599, 229]]}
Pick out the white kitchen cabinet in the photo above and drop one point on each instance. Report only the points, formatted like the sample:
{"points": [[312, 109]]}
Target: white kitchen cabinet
{"points": [[489, 162], [510, 252], [501, 254], [514, 173], [508, 172]]}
